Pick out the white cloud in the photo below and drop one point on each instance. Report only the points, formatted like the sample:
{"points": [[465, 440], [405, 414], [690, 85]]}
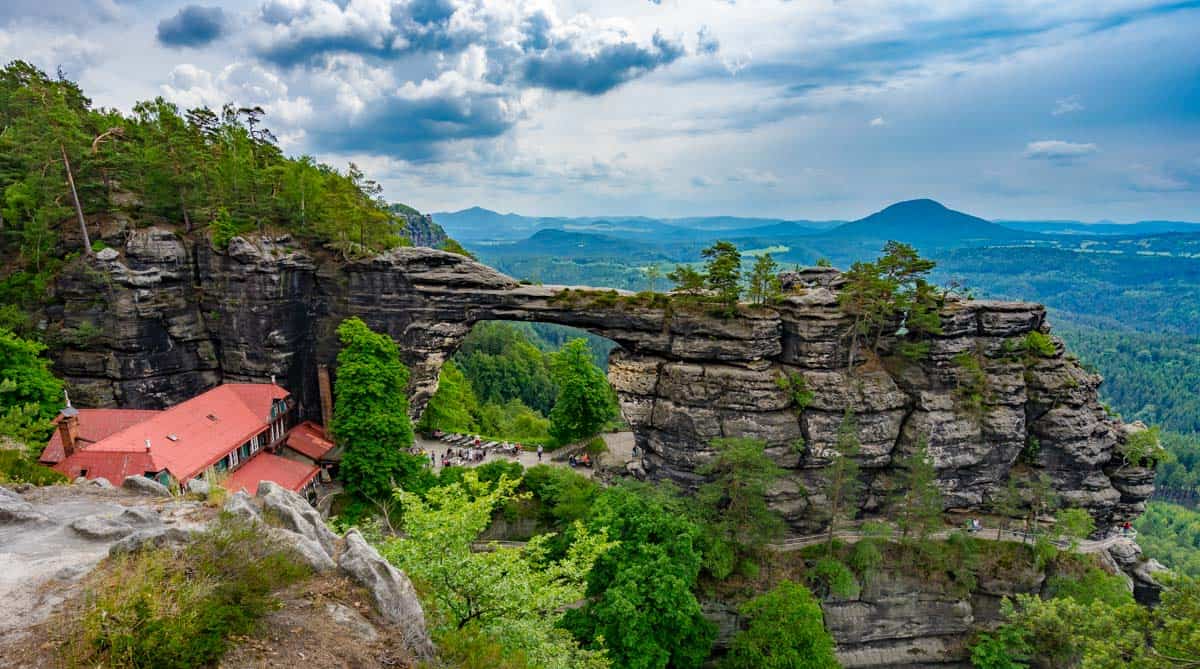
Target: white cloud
{"points": [[1068, 105], [1058, 150], [877, 122]]}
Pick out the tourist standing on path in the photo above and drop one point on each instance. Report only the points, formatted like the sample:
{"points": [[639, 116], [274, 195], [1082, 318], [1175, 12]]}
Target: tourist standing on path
{"points": [[539, 452]]}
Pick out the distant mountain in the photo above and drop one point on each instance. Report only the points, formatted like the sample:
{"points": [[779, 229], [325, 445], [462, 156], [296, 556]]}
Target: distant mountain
{"points": [[565, 244], [483, 225], [1102, 227], [924, 223]]}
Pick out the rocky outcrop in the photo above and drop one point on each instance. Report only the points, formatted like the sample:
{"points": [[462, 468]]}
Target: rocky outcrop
{"points": [[422, 231], [144, 486], [171, 316], [390, 589]]}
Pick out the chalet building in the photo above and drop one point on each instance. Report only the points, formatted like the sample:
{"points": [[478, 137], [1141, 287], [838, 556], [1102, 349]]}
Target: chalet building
{"points": [[308, 443], [236, 430]]}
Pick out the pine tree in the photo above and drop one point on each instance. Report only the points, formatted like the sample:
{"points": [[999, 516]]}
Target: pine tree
{"points": [[917, 505], [764, 280], [723, 272], [843, 486]]}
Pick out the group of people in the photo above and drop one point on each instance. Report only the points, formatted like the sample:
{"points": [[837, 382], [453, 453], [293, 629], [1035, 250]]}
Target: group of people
{"points": [[584, 460]]}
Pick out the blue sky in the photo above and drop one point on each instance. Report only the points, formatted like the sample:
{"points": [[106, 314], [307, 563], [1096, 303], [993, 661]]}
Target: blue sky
{"points": [[800, 109]]}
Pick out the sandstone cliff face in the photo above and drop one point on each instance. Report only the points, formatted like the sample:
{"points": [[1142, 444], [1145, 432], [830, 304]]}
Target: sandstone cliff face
{"points": [[166, 317]]}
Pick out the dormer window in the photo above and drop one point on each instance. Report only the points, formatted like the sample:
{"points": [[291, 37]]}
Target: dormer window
{"points": [[173, 437], [212, 417]]}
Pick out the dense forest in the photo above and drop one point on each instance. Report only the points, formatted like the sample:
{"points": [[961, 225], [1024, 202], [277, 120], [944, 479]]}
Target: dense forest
{"points": [[65, 166], [505, 381]]}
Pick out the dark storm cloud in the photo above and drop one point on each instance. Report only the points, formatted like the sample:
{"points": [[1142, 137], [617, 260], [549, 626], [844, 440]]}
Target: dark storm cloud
{"points": [[192, 26]]}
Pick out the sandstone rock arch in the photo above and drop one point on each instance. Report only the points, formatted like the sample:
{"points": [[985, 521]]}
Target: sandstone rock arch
{"points": [[177, 316]]}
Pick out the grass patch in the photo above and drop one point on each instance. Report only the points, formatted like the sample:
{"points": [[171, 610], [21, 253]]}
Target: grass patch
{"points": [[177, 609]]}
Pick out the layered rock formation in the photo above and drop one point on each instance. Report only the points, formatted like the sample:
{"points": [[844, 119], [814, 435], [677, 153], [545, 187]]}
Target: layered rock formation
{"points": [[169, 316]]}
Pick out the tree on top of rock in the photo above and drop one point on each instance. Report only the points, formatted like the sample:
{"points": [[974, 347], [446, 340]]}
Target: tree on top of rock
{"points": [[891, 294], [764, 280], [370, 414], [723, 272]]}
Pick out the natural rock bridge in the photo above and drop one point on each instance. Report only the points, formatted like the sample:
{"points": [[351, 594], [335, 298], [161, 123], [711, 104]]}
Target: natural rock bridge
{"points": [[170, 316]]}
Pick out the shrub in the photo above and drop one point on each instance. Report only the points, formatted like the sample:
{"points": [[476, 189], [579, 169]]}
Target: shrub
{"points": [[18, 467], [159, 609], [1093, 585], [833, 578], [785, 631], [797, 388], [1039, 344]]}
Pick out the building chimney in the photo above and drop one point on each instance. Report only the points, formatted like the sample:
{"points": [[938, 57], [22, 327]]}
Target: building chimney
{"points": [[273, 380], [323, 387], [147, 445], [68, 426]]}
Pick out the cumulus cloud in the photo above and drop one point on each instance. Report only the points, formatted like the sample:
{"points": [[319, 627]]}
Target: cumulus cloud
{"points": [[877, 122], [192, 26], [596, 69], [1059, 151]]}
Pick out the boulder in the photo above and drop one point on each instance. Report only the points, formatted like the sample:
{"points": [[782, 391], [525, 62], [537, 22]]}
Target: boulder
{"points": [[101, 528], [199, 487], [241, 504], [154, 537], [140, 516], [101, 482], [309, 551], [391, 592], [294, 513], [144, 486], [352, 620], [14, 508]]}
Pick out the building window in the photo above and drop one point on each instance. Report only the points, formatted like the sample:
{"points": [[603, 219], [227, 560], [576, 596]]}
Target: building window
{"points": [[222, 464], [245, 451]]}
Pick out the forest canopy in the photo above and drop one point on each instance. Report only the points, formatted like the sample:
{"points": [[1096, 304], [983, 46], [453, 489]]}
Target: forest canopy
{"points": [[63, 162]]}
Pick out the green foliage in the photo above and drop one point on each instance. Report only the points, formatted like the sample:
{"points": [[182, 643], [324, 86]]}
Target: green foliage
{"points": [[585, 400], [513, 596], [452, 246], [831, 577], [785, 630], [882, 295], [1171, 534], [1075, 524], [564, 495], [18, 466], [733, 505], [370, 415], [195, 167], [686, 279], [796, 387], [1097, 632], [503, 363], [842, 484], [156, 608], [723, 272], [1090, 586], [30, 395], [917, 504], [1039, 344], [453, 408], [971, 382], [640, 600], [764, 287], [1142, 448]]}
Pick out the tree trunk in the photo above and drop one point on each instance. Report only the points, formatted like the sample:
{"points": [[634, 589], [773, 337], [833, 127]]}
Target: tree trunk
{"points": [[87, 242], [187, 221]]}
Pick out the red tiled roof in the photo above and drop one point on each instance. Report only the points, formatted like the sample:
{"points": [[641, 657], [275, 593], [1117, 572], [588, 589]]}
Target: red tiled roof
{"points": [[267, 467], [94, 425], [112, 466], [190, 436], [309, 439]]}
